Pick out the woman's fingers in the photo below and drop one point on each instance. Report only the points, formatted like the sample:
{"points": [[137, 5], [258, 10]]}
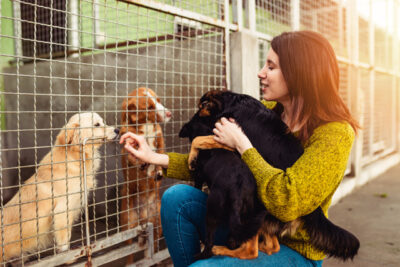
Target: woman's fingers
{"points": [[130, 148], [126, 136], [217, 138], [216, 132]]}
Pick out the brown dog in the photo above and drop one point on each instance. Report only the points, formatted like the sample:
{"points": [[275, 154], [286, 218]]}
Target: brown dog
{"points": [[49, 202], [141, 114]]}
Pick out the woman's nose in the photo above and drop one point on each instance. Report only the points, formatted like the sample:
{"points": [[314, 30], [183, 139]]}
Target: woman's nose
{"points": [[262, 73]]}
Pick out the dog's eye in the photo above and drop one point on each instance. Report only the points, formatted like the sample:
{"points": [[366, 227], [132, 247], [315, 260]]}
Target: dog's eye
{"points": [[97, 124], [203, 104]]}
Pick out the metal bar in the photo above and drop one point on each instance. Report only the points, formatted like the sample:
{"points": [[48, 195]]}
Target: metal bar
{"points": [[227, 46], [150, 240], [340, 25], [367, 160], [264, 36], [295, 14], [17, 28], [158, 257], [148, 40], [86, 196], [96, 24], [251, 15], [176, 11], [73, 20], [115, 254], [73, 255], [237, 13]]}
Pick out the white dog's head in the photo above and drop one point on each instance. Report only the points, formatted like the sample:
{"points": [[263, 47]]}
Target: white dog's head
{"points": [[83, 126]]}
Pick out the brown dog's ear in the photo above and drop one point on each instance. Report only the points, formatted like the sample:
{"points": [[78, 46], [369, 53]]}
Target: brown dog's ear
{"points": [[128, 114], [132, 114], [67, 134]]}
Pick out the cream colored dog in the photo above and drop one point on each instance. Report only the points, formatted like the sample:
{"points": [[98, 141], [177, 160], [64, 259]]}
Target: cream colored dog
{"points": [[48, 203]]}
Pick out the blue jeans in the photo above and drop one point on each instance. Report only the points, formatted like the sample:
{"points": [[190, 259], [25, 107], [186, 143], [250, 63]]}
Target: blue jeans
{"points": [[183, 212]]}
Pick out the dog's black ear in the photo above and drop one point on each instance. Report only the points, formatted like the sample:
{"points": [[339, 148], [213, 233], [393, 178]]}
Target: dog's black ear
{"points": [[185, 131]]}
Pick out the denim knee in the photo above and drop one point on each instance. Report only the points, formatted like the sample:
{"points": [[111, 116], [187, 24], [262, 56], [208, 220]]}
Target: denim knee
{"points": [[174, 195]]}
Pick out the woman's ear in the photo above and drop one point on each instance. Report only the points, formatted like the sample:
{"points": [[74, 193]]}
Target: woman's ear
{"points": [[66, 136]]}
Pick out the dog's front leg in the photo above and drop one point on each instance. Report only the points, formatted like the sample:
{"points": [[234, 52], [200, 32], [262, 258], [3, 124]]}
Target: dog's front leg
{"points": [[247, 251], [63, 225], [270, 244], [202, 143]]}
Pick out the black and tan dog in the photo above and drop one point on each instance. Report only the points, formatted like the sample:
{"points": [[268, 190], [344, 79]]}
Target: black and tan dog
{"points": [[233, 193]]}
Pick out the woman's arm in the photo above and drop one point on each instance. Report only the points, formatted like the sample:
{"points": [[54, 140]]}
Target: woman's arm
{"points": [[174, 165], [311, 181], [138, 147], [230, 134]]}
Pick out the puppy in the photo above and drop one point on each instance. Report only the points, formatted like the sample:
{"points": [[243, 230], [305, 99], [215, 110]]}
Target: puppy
{"points": [[50, 201], [142, 113], [233, 192]]}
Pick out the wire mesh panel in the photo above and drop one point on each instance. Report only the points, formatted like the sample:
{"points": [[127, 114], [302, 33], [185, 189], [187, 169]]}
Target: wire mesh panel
{"points": [[344, 89], [379, 47], [39, 21], [363, 40], [381, 34], [210, 8], [74, 57], [273, 17], [367, 116], [383, 114], [328, 18]]}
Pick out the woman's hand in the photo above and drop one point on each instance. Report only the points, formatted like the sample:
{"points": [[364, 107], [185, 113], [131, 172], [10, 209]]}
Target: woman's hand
{"points": [[229, 133], [138, 147]]}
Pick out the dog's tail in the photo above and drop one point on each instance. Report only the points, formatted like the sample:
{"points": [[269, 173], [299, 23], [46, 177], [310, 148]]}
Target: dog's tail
{"points": [[330, 238]]}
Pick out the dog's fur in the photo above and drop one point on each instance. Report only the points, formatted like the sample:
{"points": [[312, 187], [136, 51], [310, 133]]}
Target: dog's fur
{"points": [[49, 202], [142, 114], [233, 193]]}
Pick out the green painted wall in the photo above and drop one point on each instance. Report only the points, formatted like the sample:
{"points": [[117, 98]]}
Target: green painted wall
{"points": [[6, 45]]}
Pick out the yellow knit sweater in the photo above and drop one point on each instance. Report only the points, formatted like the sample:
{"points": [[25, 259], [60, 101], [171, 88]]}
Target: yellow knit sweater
{"points": [[300, 189]]}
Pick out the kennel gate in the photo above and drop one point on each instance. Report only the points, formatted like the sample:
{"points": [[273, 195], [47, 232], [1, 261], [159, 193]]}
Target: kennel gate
{"points": [[73, 56]]}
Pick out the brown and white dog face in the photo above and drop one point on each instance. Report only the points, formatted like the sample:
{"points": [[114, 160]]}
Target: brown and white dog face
{"points": [[144, 106], [86, 125]]}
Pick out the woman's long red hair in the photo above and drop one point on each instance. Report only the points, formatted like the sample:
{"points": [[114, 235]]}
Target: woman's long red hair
{"points": [[311, 72]]}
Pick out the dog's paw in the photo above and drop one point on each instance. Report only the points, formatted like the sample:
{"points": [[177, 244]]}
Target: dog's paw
{"points": [[203, 255], [62, 248], [192, 158], [219, 250], [193, 164], [159, 175]]}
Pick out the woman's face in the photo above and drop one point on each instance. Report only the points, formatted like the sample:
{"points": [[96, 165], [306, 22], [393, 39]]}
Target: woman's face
{"points": [[273, 84]]}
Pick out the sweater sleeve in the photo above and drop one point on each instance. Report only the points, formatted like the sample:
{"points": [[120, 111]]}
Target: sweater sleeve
{"points": [[177, 167], [311, 180]]}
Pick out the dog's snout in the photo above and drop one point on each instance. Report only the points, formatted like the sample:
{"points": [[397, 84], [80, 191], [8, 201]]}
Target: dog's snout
{"points": [[168, 114], [116, 130]]}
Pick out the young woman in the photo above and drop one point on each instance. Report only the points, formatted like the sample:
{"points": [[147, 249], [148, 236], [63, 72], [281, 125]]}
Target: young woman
{"points": [[302, 74]]}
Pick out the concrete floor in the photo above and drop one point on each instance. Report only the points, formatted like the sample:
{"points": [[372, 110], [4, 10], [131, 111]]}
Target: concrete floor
{"points": [[372, 213]]}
